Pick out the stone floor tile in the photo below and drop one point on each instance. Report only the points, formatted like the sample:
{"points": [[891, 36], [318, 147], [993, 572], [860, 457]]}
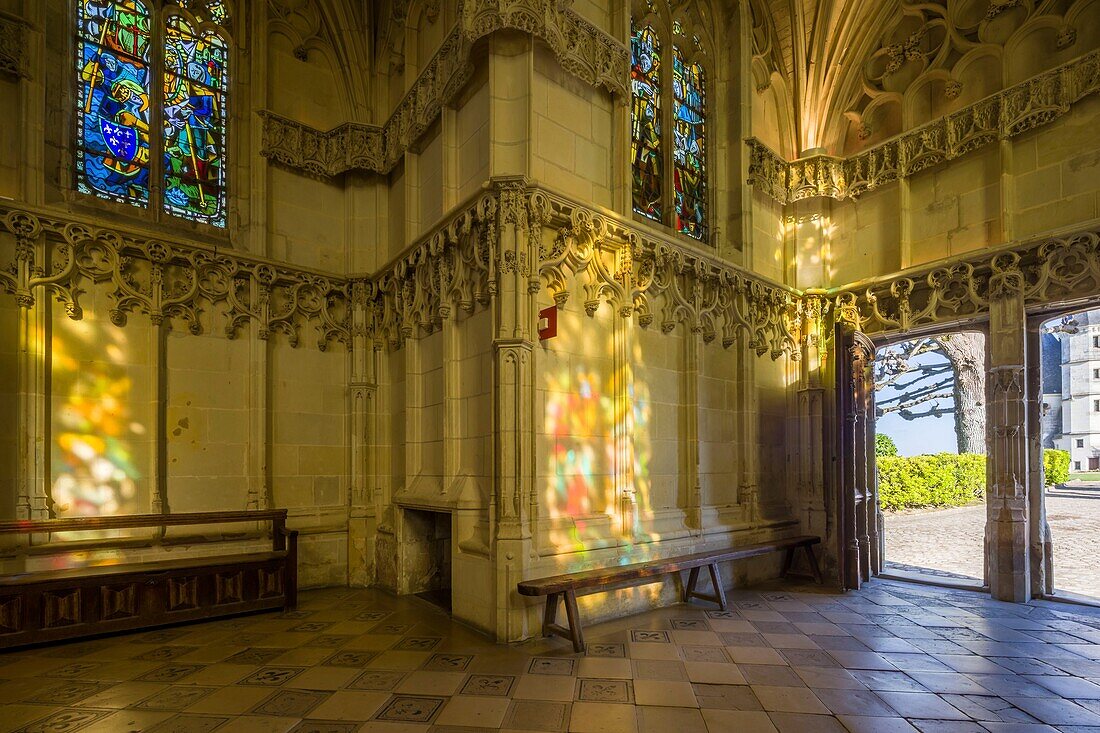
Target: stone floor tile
{"points": [[867, 724], [1056, 711], [762, 674], [647, 650], [653, 719], [258, 724], [726, 697], [790, 641], [921, 705], [605, 667], [431, 683], [948, 682], [1071, 687], [828, 678], [597, 717], [855, 702], [802, 723], [788, 699], [127, 720], [754, 655], [742, 721], [653, 692], [545, 687], [1019, 728], [886, 680], [714, 673], [659, 669], [232, 700], [537, 715]]}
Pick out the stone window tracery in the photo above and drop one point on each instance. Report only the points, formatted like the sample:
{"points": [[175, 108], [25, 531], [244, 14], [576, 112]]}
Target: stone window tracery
{"points": [[135, 124], [668, 137]]}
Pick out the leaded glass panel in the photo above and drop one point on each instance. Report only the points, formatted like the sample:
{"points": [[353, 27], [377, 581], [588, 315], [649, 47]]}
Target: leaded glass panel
{"points": [[195, 83], [689, 146], [645, 83], [113, 84]]}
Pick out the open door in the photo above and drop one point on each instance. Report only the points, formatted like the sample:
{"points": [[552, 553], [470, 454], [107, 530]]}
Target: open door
{"points": [[859, 522]]}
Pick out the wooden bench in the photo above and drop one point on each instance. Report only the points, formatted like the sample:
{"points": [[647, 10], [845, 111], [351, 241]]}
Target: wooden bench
{"points": [[50, 605], [601, 579]]}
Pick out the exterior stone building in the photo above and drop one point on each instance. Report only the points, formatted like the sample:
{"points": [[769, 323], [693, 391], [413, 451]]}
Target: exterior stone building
{"points": [[385, 264], [1077, 402]]}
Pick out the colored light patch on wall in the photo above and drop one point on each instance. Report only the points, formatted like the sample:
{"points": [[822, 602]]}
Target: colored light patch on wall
{"points": [[112, 152], [195, 83], [645, 121], [93, 467], [689, 146]]}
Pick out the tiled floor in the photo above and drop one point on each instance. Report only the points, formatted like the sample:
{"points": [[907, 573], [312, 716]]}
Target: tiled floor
{"points": [[893, 657]]}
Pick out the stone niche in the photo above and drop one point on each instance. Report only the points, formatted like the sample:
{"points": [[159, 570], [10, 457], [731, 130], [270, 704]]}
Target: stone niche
{"points": [[426, 555]]}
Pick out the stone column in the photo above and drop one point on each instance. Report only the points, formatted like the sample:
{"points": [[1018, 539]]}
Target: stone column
{"points": [[512, 255], [811, 396], [362, 411], [1006, 533]]}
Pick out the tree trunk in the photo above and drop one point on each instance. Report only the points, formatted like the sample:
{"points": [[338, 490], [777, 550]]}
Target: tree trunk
{"points": [[966, 352]]}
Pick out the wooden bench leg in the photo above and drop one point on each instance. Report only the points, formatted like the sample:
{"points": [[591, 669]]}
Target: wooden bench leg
{"points": [[574, 617], [550, 615], [689, 589], [716, 581], [813, 563], [788, 560]]}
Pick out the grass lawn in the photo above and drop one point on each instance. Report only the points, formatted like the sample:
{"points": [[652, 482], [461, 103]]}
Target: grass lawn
{"points": [[1085, 476]]}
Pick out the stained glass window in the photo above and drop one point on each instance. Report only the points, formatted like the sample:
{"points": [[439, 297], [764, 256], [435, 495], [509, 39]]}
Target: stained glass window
{"points": [[194, 123], [689, 146], [112, 67], [645, 120]]}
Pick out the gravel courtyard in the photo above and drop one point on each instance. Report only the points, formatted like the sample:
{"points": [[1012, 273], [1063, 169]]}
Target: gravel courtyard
{"points": [[950, 540]]}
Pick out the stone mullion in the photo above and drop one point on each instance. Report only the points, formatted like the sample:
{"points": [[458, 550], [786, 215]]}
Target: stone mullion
{"points": [[811, 397], [260, 417], [158, 348], [255, 225], [1007, 532], [513, 401], [35, 329], [362, 409], [690, 488], [623, 427]]}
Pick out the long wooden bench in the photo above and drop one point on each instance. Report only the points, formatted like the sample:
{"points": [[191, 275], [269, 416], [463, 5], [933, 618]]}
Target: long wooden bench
{"points": [[50, 605], [565, 586]]}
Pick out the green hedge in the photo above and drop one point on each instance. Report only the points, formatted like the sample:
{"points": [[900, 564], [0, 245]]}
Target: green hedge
{"points": [[937, 480], [1055, 466]]}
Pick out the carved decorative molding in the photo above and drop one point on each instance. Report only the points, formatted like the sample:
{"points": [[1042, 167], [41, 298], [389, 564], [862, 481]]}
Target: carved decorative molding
{"points": [[13, 47], [62, 257], [581, 48], [1045, 270], [1011, 112], [453, 267], [934, 51], [661, 280]]}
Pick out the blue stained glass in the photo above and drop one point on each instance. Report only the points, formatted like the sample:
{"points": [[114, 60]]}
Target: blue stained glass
{"points": [[689, 150], [112, 152], [195, 79]]}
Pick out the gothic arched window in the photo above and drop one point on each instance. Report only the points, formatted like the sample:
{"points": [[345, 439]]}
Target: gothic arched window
{"points": [[678, 143], [131, 130]]}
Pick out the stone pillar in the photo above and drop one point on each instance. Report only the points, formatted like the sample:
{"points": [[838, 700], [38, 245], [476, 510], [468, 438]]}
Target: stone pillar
{"points": [[512, 255], [1007, 532], [362, 411], [1041, 556], [811, 445]]}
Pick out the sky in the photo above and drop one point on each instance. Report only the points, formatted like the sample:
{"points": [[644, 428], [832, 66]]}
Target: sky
{"points": [[923, 435]]}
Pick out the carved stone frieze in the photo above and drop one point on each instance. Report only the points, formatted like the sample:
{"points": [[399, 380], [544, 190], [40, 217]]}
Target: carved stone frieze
{"points": [[663, 281], [1045, 270], [453, 267], [63, 257], [13, 47], [1011, 112], [582, 49]]}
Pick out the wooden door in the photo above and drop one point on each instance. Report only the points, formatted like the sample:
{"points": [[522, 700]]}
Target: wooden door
{"points": [[1094, 463], [859, 523]]}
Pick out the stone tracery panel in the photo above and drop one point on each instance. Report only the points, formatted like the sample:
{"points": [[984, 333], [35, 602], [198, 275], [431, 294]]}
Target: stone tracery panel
{"points": [[1020, 108], [162, 280]]}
